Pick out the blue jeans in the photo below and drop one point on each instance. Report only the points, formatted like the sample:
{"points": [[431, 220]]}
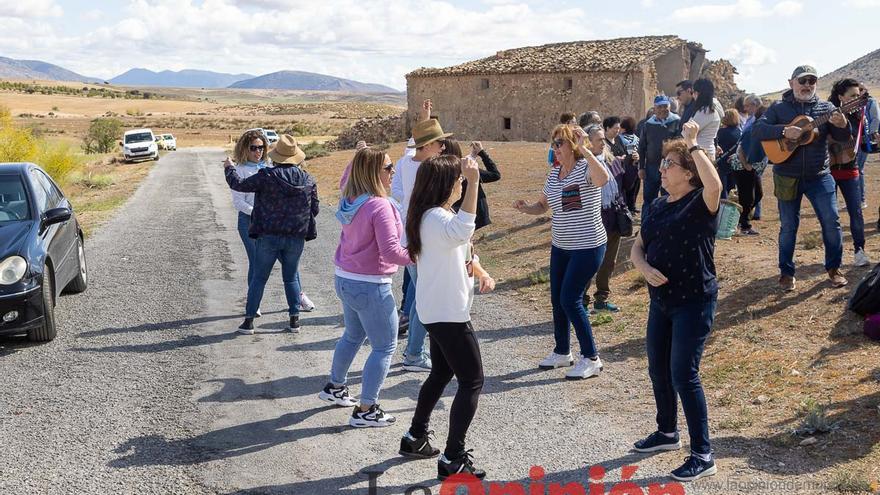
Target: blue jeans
{"points": [[675, 340], [250, 246], [861, 158], [271, 248], [852, 197], [415, 339], [570, 271], [651, 189], [409, 293], [822, 195], [369, 312]]}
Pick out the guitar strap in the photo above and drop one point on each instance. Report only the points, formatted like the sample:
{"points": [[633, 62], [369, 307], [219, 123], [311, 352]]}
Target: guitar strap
{"points": [[861, 129]]}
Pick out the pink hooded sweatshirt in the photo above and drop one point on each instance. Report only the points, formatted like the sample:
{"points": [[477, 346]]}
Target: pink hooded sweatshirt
{"points": [[370, 239]]}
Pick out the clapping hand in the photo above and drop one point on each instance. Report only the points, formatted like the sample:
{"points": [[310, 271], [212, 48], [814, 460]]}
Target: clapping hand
{"points": [[470, 170], [689, 131], [228, 163], [360, 145], [425, 112], [476, 148]]}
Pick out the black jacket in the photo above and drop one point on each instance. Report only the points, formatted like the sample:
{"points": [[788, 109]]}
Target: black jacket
{"points": [[654, 134], [491, 174], [285, 200], [807, 161]]}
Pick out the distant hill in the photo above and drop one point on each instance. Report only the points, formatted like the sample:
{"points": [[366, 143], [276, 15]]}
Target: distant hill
{"points": [[186, 78], [864, 69], [308, 81], [35, 69]]}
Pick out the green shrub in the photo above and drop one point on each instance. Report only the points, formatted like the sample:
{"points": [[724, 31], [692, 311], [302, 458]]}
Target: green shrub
{"points": [[102, 135], [58, 159], [315, 150]]}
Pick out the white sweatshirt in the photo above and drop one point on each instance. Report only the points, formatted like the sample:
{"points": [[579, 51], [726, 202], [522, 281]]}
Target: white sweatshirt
{"points": [[244, 202], [443, 288]]}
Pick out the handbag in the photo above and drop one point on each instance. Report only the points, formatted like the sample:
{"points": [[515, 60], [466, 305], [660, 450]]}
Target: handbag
{"points": [[623, 219]]}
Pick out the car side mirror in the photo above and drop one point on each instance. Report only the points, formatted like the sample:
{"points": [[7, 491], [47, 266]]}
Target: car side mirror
{"points": [[55, 215], [120, 143]]}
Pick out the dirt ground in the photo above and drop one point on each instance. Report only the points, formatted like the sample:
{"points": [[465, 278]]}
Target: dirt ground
{"points": [[773, 358]]}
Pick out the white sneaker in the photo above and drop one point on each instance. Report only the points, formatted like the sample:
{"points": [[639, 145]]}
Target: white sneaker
{"points": [[861, 259], [305, 304], [556, 361], [585, 368]]}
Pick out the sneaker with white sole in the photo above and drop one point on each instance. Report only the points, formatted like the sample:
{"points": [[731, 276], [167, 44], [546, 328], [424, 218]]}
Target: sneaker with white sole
{"points": [[585, 368], [861, 259], [556, 361], [372, 417], [246, 327], [305, 304], [337, 395], [694, 468], [658, 441], [418, 364]]}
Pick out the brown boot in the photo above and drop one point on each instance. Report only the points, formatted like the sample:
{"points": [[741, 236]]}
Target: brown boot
{"points": [[786, 283], [836, 278]]}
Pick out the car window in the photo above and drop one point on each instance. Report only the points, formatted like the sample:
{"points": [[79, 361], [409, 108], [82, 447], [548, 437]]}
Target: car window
{"points": [[138, 138], [168, 136], [41, 194], [55, 195], [13, 199]]}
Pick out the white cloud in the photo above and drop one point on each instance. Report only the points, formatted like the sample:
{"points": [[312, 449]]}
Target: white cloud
{"points": [[92, 15], [262, 36], [30, 8], [862, 4], [647, 3], [750, 59], [741, 9]]}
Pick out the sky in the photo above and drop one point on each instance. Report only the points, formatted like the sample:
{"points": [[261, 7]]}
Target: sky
{"points": [[379, 41]]}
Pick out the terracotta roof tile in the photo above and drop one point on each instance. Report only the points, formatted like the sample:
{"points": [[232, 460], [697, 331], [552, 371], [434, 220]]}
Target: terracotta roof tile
{"points": [[619, 54]]}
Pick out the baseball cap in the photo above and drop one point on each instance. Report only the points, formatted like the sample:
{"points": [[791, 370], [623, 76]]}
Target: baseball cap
{"points": [[804, 70], [661, 100]]}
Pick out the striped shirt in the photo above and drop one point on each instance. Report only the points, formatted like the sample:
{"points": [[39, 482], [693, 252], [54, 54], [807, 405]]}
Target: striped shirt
{"points": [[576, 205]]}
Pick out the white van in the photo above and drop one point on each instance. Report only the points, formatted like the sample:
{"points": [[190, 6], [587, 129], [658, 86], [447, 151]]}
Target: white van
{"points": [[139, 144]]}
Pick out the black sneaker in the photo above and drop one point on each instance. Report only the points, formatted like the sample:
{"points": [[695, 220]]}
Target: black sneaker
{"points": [[464, 464], [337, 395], [247, 326], [658, 441], [293, 327], [419, 448], [374, 416], [694, 468]]}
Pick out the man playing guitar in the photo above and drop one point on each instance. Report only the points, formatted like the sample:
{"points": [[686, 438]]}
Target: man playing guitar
{"points": [[805, 171]]}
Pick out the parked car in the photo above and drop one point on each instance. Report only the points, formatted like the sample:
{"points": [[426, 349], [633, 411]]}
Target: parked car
{"points": [[139, 144], [42, 251], [271, 135], [170, 142]]}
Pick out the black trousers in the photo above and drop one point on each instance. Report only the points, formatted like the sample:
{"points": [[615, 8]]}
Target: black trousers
{"points": [[454, 352], [750, 190]]}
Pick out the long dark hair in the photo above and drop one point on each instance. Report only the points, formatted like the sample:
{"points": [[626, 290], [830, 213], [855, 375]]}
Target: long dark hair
{"points": [[839, 88], [706, 100], [434, 183]]}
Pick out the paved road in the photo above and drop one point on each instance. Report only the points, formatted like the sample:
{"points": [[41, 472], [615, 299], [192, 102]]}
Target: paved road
{"points": [[148, 389]]}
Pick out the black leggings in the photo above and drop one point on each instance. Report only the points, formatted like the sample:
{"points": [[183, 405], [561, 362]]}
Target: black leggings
{"points": [[454, 351], [750, 190]]}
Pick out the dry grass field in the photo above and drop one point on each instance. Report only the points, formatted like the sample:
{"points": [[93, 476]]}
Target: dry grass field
{"points": [[775, 362]]}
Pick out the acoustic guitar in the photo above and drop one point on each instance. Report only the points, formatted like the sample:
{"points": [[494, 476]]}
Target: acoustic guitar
{"points": [[779, 150]]}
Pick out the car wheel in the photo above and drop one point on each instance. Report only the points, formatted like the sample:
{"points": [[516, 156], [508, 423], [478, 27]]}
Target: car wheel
{"points": [[156, 157], [46, 331], [81, 282]]}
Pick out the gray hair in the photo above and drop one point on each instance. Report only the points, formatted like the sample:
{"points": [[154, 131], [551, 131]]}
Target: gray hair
{"points": [[753, 99]]}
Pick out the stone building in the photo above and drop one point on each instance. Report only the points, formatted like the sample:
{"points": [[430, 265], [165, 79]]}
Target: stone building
{"points": [[518, 94]]}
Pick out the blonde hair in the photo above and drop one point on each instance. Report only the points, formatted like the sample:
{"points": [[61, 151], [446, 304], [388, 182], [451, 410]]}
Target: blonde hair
{"points": [[364, 177], [240, 154], [731, 118], [563, 131]]}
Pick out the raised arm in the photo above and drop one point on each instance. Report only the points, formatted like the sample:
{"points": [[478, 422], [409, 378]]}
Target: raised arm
{"points": [[705, 168], [599, 175], [236, 183], [491, 174]]}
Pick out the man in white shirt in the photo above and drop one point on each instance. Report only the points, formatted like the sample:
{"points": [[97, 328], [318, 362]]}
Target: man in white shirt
{"points": [[427, 134]]}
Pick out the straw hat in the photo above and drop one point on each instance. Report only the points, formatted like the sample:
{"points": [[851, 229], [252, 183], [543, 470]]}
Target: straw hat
{"points": [[426, 132], [286, 151]]}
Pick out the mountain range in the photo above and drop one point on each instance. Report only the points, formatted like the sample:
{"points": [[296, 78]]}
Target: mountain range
{"points": [[290, 80], [864, 69]]}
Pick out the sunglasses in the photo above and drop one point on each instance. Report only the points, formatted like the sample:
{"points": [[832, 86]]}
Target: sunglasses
{"points": [[666, 163], [389, 168], [807, 80], [255, 147], [557, 143]]}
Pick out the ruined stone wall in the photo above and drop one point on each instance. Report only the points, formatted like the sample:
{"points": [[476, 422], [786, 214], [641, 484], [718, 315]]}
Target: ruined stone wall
{"points": [[529, 103], [391, 129], [672, 68], [721, 73]]}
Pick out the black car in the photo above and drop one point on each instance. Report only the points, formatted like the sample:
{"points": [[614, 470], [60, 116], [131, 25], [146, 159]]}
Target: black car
{"points": [[41, 251]]}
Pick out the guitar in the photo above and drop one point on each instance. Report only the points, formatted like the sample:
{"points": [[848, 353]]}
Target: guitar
{"points": [[779, 150]]}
